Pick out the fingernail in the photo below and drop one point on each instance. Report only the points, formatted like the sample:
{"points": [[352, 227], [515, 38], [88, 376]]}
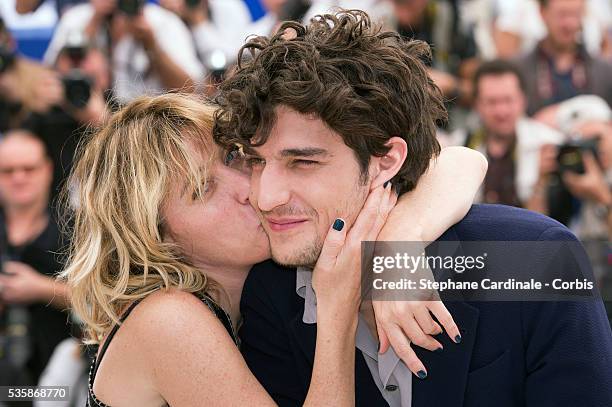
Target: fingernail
{"points": [[386, 184], [338, 224], [439, 350], [421, 374], [458, 339]]}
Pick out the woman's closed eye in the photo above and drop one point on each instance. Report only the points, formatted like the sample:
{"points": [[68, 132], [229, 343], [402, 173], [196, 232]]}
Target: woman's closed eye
{"points": [[206, 189]]}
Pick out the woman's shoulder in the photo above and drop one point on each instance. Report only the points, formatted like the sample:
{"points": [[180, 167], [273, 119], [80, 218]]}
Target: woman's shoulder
{"points": [[173, 307], [166, 317]]}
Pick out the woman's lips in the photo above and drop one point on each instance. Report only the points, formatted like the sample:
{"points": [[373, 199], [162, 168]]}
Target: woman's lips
{"points": [[284, 225]]}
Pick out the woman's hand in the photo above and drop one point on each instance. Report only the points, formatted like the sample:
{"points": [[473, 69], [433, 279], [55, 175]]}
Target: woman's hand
{"points": [[336, 281], [337, 275], [400, 323], [442, 197]]}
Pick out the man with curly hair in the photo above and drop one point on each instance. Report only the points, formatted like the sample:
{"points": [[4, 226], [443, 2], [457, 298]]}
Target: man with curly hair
{"points": [[325, 112]]}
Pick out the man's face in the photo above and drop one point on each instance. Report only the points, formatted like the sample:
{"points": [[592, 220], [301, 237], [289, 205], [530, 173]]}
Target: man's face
{"points": [[563, 20], [93, 64], [304, 177], [500, 103], [25, 172], [409, 13]]}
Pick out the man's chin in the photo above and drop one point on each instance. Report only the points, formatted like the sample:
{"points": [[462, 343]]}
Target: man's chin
{"points": [[306, 258]]}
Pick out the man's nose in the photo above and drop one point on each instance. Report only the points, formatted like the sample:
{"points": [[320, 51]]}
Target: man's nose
{"points": [[270, 189]]}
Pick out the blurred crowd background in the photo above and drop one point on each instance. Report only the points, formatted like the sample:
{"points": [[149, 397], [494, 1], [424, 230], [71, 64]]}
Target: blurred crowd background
{"points": [[527, 82]]}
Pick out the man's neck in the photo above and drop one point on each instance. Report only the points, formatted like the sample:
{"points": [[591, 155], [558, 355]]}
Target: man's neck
{"points": [[498, 145], [24, 221], [563, 56]]}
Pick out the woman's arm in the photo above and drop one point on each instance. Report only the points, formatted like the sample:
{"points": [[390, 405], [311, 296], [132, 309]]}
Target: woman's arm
{"points": [[442, 197]]}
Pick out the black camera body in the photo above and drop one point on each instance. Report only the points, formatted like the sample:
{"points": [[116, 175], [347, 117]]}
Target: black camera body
{"points": [[7, 58], [569, 155], [77, 88], [561, 203], [130, 7]]}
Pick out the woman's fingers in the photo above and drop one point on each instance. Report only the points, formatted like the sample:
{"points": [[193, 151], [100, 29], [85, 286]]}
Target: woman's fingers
{"points": [[426, 322], [332, 246], [404, 351], [386, 206], [415, 334], [368, 216], [383, 339], [438, 309]]}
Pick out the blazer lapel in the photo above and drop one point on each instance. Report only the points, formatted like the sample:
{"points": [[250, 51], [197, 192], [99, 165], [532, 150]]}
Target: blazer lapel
{"points": [[448, 370]]}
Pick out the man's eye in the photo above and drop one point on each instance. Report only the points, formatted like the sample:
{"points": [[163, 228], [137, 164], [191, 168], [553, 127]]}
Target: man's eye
{"points": [[307, 163]]}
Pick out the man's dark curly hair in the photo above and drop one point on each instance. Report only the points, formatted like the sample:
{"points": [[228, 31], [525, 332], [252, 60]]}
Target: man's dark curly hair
{"points": [[363, 83]]}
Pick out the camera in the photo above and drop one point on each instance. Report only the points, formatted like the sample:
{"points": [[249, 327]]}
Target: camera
{"points": [[561, 203], [77, 88], [7, 58], [569, 155], [130, 7]]}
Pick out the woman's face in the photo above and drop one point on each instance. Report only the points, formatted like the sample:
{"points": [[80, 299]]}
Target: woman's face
{"points": [[220, 229]]}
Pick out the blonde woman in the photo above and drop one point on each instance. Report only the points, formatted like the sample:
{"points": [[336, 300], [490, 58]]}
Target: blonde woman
{"points": [[164, 232]]}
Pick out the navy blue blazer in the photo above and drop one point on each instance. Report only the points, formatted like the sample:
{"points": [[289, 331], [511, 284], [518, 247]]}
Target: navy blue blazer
{"points": [[512, 353]]}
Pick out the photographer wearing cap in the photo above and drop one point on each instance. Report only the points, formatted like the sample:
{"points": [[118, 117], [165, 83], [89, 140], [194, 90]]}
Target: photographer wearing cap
{"points": [[149, 48]]}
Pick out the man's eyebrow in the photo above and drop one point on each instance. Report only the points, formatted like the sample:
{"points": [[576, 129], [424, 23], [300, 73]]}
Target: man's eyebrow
{"points": [[304, 152]]}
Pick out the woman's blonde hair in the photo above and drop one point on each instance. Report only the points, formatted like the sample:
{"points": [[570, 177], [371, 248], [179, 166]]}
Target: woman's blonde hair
{"points": [[118, 187]]}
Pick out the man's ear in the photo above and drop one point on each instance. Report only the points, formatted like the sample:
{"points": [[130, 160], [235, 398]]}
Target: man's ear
{"points": [[389, 165]]}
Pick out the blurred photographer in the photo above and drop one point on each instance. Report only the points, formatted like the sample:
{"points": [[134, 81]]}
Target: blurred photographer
{"points": [[29, 243], [220, 25], [150, 49], [57, 105], [18, 82], [454, 53], [575, 178], [70, 99], [510, 140]]}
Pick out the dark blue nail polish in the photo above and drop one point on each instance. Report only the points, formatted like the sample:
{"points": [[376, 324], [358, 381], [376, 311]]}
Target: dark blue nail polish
{"points": [[421, 374], [386, 184], [458, 339], [338, 225]]}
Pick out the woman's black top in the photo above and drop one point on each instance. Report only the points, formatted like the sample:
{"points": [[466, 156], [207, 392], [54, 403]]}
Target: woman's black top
{"points": [[92, 401]]}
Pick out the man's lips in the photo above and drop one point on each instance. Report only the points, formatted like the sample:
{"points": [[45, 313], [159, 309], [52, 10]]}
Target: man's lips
{"points": [[279, 225]]}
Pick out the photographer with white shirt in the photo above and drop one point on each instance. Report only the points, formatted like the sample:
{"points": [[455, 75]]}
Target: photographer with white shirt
{"points": [[151, 50]]}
